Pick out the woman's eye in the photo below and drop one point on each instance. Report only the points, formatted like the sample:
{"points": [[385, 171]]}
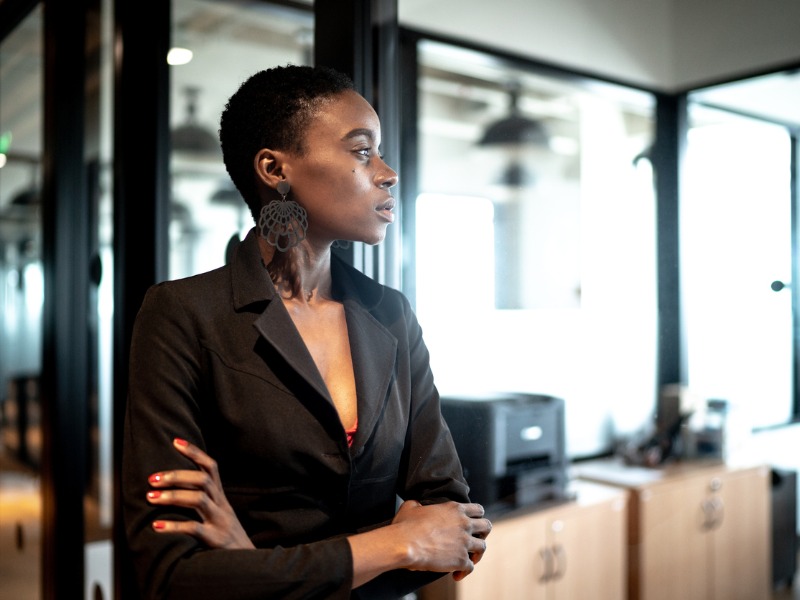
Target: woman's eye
{"points": [[364, 151]]}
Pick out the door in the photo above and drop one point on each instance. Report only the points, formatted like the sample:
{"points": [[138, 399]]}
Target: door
{"points": [[515, 564], [588, 545], [672, 517], [736, 260], [741, 542]]}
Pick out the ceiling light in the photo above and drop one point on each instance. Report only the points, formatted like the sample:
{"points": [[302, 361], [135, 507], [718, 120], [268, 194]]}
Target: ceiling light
{"points": [[191, 137], [179, 56], [514, 129]]}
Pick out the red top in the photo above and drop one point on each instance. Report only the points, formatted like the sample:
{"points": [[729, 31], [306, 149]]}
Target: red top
{"points": [[351, 433]]}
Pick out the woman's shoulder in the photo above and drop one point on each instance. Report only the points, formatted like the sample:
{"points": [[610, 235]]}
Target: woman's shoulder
{"points": [[203, 288]]}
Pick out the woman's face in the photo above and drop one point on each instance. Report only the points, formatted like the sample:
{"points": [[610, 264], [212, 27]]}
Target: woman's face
{"points": [[341, 180]]}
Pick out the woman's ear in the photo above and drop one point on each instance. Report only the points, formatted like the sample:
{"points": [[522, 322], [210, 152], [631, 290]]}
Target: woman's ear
{"points": [[268, 165]]}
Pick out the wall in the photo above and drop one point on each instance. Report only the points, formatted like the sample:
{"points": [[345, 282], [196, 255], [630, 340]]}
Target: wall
{"points": [[660, 44]]}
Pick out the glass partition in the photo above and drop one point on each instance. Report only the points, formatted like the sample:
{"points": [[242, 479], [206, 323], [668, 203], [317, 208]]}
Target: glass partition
{"points": [[21, 297], [736, 263], [216, 46], [535, 233]]}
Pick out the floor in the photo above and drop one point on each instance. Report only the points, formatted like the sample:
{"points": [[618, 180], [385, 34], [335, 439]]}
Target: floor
{"points": [[20, 531], [20, 537]]}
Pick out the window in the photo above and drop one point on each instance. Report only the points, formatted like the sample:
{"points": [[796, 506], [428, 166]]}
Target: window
{"points": [[535, 264], [228, 42]]}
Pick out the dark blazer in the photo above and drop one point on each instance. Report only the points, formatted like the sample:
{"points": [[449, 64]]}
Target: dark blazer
{"points": [[216, 360]]}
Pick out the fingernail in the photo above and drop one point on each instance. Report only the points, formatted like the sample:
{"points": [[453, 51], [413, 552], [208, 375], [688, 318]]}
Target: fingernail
{"points": [[154, 494], [159, 525], [181, 442], [155, 478]]}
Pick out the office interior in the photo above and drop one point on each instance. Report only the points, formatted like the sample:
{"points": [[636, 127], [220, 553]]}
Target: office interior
{"points": [[632, 238]]}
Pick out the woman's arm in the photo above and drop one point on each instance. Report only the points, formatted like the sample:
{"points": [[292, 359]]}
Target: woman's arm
{"points": [[440, 537]]}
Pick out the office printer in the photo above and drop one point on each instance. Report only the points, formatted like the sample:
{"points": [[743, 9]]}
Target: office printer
{"points": [[511, 446]]}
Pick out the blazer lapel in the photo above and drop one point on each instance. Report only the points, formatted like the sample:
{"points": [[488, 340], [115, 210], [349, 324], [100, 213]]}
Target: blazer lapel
{"points": [[372, 346], [276, 327], [251, 286], [374, 351]]}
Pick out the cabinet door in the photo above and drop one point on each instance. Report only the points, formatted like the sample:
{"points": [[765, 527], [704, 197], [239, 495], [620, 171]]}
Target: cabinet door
{"points": [[741, 542], [670, 553], [513, 567], [588, 546]]}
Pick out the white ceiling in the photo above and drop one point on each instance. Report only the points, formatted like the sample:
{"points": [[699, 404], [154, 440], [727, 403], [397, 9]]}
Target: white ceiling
{"points": [[664, 45], [668, 45]]}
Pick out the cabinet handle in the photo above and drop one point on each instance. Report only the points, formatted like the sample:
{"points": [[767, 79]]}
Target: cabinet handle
{"points": [[560, 561], [708, 515], [713, 513], [547, 561], [719, 512]]}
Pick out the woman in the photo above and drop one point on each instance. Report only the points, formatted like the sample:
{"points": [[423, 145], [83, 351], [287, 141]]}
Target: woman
{"points": [[306, 381]]}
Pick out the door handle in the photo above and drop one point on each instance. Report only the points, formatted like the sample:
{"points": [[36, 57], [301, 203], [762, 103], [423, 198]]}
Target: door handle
{"points": [[779, 285]]}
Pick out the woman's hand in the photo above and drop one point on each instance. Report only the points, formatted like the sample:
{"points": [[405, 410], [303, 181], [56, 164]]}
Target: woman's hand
{"points": [[445, 537], [200, 490]]}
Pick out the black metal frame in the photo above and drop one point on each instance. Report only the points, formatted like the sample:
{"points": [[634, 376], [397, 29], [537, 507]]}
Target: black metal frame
{"points": [[12, 12], [360, 38], [409, 159], [65, 259], [141, 200], [795, 289], [666, 158], [65, 383]]}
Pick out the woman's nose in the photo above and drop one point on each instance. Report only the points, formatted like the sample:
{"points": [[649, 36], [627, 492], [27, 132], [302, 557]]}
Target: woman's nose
{"points": [[389, 177]]}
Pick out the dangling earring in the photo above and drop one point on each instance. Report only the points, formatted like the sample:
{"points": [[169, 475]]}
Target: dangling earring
{"points": [[283, 222]]}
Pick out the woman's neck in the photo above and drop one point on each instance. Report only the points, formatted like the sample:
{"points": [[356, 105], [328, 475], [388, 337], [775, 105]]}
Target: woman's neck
{"points": [[311, 269]]}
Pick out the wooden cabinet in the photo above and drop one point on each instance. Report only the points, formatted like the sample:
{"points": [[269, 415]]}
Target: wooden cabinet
{"points": [[696, 531], [573, 550]]}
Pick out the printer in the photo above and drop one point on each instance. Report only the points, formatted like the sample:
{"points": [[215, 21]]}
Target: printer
{"points": [[511, 447]]}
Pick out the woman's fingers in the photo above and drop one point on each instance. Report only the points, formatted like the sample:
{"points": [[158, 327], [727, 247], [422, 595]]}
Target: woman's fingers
{"points": [[200, 458], [186, 479], [197, 500], [207, 478], [200, 490]]}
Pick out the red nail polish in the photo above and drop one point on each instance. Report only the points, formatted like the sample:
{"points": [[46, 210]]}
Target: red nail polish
{"points": [[154, 494], [159, 525], [181, 442], [155, 478]]}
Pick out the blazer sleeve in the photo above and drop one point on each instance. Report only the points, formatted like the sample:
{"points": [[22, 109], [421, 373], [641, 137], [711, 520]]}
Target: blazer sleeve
{"points": [[163, 403], [430, 469]]}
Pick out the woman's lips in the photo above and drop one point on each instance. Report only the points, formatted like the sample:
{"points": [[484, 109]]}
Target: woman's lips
{"points": [[385, 210]]}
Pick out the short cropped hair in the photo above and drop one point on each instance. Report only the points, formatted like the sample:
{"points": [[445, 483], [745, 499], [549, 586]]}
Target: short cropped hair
{"points": [[272, 110]]}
